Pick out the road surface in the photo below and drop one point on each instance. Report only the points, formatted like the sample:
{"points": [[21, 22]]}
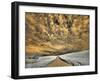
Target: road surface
{"points": [[74, 59]]}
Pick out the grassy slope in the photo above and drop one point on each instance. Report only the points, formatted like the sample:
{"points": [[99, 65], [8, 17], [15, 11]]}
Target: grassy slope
{"points": [[52, 37]]}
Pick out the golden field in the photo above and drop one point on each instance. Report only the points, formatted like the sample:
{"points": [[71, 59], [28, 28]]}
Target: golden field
{"points": [[53, 34]]}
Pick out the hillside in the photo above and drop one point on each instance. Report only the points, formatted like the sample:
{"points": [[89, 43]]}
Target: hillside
{"points": [[53, 34]]}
